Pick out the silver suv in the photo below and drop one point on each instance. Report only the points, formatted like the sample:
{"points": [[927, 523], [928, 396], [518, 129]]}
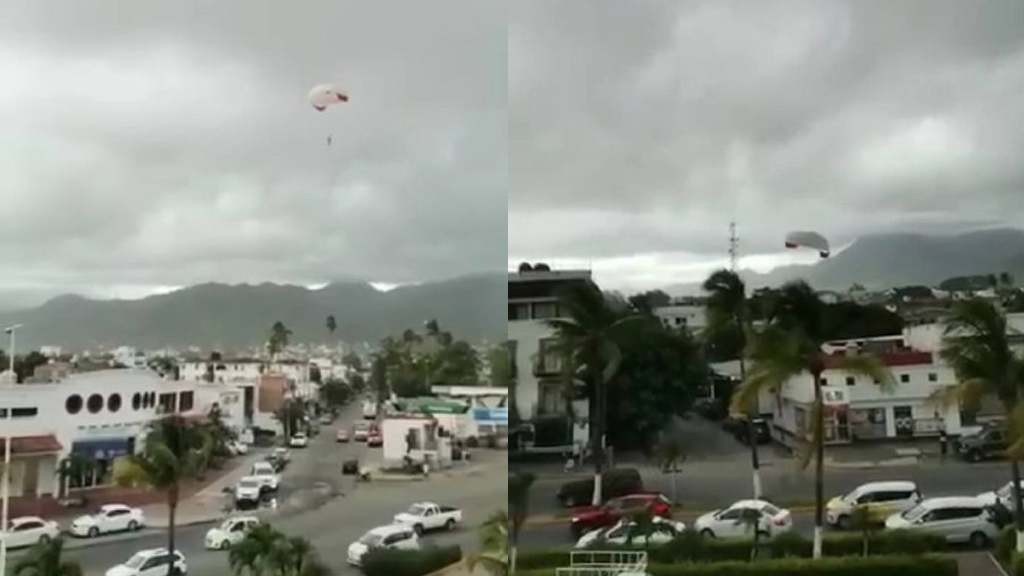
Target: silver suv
{"points": [[959, 520]]}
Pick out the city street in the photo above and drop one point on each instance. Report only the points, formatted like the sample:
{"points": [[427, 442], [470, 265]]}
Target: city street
{"points": [[330, 510]]}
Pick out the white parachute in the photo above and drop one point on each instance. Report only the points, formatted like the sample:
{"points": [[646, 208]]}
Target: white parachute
{"points": [[327, 95], [806, 239]]}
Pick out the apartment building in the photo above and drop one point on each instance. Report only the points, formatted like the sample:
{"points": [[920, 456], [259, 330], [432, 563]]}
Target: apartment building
{"points": [[533, 300]]}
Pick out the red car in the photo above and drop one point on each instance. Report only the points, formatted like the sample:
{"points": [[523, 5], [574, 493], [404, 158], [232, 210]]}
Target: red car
{"points": [[374, 439], [591, 518]]}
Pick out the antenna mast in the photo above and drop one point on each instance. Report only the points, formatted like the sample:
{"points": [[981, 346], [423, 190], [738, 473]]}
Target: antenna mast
{"points": [[734, 246]]}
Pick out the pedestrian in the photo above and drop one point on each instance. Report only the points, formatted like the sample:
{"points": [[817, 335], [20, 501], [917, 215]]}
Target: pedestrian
{"points": [[943, 442]]}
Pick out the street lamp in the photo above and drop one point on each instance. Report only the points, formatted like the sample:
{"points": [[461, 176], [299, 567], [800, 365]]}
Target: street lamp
{"points": [[5, 483]]}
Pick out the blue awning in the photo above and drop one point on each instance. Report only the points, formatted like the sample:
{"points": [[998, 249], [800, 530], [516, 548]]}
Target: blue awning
{"points": [[490, 415], [101, 449]]}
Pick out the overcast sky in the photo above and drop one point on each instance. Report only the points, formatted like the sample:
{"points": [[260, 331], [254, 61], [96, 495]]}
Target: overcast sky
{"points": [[638, 130], [149, 144]]}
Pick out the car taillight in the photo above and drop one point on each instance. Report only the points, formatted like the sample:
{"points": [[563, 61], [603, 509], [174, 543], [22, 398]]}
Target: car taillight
{"points": [[780, 520]]}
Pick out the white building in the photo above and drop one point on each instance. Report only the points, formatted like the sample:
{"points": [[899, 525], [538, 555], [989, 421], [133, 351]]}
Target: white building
{"points": [[130, 357], [683, 316], [100, 416], [244, 370], [535, 366]]}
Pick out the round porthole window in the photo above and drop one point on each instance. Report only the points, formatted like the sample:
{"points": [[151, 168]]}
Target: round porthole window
{"points": [[136, 401], [73, 404], [114, 403], [94, 404]]}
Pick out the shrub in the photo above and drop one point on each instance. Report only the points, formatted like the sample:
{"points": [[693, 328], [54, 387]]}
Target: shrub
{"points": [[1017, 565], [691, 547], [874, 566], [1006, 544], [390, 562]]}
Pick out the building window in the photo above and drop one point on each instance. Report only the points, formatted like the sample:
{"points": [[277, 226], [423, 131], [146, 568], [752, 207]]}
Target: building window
{"points": [[905, 378], [824, 381], [549, 357], [187, 401], [518, 312], [95, 404], [168, 403], [19, 413], [73, 404], [114, 403], [851, 381], [545, 311], [136, 401], [933, 377]]}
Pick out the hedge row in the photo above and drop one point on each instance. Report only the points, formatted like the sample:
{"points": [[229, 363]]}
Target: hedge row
{"points": [[692, 547], [874, 566], [391, 562]]}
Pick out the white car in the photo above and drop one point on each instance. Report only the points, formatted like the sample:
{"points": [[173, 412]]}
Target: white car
{"points": [[29, 531], [299, 440], [957, 519], [730, 523], [360, 432], [264, 472], [664, 531], [426, 516], [230, 532], [248, 489], [238, 448], [1002, 496], [394, 536], [150, 563], [108, 519]]}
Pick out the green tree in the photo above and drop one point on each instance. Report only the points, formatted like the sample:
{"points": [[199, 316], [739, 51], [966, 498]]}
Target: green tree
{"points": [[265, 551], [280, 336], [519, 486], [332, 325], [493, 555], [789, 345], [47, 559], [977, 346], [172, 455], [590, 336]]}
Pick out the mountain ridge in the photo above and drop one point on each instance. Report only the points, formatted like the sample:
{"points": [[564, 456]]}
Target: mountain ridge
{"points": [[901, 259], [226, 316]]}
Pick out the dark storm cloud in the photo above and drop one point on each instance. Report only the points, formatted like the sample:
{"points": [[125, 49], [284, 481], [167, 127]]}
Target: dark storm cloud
{"points": [[164, 143], [662, 120]]}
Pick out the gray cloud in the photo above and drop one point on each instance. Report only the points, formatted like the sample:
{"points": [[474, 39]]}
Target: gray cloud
{"points": [[663, 120], [166, 143]]}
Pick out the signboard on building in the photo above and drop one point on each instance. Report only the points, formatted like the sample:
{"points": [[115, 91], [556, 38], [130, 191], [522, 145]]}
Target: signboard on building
{"points": [[490, 415]]}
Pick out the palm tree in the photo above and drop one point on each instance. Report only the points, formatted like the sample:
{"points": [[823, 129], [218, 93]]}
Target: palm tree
{"points": [[519, 485], [46, 559], [332, 325], [493, 555], [75, 467], [250, 555], [977, 346], [641, 525], [173, 453], [728, 310], [790, 345], [588, 335]]}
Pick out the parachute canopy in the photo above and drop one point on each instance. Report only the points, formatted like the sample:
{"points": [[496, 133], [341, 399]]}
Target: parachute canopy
{"points": [[326, 95], [811, 240]]}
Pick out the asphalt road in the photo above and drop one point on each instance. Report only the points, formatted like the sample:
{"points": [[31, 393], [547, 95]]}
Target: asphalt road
{"points": [[333, 518]]}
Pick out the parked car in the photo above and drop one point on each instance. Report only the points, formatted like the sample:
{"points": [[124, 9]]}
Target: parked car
{"points": [[238, 448], [267, 476], [342, 435], [762, 432], [108, 519], [298, 440], [959, 519], [151, 563], [591, 518], [663, 531], [737, 520], [394, 536], [427, 516], [28, 531], [230, 532], [986, 444], [360, 432], [249, 490], [616, 482], [1003, 496], [374, 439], [880, 500]]}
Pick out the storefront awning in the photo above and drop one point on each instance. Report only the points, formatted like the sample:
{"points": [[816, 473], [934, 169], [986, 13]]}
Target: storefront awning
{"points": [[27, 445]]}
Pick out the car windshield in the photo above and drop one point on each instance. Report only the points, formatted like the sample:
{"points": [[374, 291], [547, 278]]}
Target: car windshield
{"points": [[370, 539], [915, 513], [136, 561], [249, 483], [417, 510]]}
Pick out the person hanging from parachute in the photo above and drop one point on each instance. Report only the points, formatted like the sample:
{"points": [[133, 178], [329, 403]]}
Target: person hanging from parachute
{"points": [[324, 96]]}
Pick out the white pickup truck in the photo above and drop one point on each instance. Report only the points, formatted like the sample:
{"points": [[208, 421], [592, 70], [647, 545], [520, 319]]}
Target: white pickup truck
{"points": [[426, 516]]}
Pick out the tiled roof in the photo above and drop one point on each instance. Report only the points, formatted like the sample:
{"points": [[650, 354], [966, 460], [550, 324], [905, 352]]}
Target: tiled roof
{"points": [[33, 444], [893, 359]]}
